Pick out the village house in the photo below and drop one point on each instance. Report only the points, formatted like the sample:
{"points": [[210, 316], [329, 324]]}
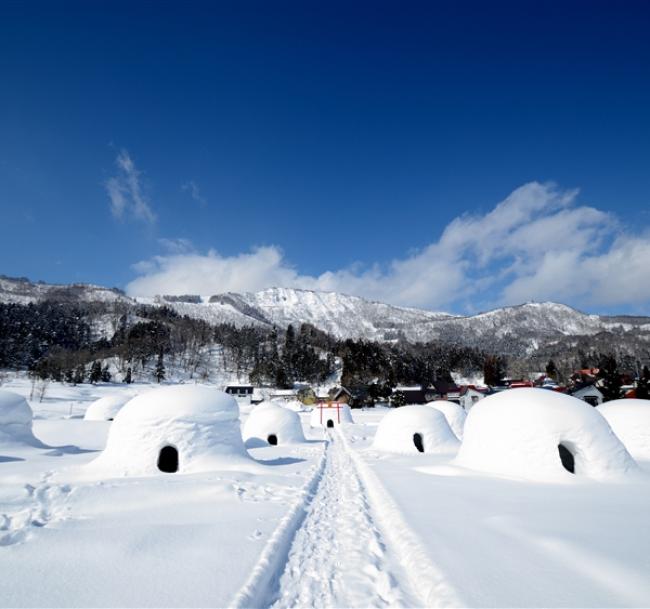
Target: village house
{"points": [[470, 395], [590, 394]]}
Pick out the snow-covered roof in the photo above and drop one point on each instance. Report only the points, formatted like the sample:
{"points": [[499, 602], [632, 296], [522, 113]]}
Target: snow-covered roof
{"points": [[519, 433], [396, 431], [630, 421], [587, 390]]}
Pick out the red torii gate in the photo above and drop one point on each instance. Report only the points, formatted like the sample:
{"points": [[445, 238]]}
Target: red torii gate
{"points": [[330, 404]]}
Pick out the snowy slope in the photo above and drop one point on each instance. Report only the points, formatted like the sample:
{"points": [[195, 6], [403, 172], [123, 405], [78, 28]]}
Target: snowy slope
{"points": [[345, 316], [23, 291]]}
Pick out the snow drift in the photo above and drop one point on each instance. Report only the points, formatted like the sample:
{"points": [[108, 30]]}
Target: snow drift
{"points": [[180, 428], [106, 408], [541, 434], [16, 420], [454, 413], [630, 421], [272, 424], [413, 429], [329, 416]]}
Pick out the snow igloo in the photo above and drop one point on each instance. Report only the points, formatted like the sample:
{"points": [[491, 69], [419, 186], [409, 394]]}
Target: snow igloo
{"points": [[182, 428], [414, 429], [630, 421], [106, 408], [16, 421], [454, 413], [272, 424], [541, 434], [329, 416]]}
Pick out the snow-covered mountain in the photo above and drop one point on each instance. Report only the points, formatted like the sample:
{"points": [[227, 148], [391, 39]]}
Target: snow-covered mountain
{"points": [[346, 316], [23, 291], [352, 317]]}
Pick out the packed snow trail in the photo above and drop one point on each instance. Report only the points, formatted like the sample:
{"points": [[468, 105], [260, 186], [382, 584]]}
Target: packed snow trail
{"points": [[338, 557]]}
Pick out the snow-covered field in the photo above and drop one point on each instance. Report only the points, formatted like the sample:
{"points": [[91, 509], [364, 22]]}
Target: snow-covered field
{"points": [[329, 522]]}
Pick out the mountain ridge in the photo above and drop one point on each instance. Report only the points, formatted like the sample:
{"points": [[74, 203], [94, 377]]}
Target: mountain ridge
{"points": [[521, 326]]}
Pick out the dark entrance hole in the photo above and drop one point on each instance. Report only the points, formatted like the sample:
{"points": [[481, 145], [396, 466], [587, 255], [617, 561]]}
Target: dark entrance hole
{"points": [[272, 439], [417, 440], [330, 423], [566, 456], [168, 460]]}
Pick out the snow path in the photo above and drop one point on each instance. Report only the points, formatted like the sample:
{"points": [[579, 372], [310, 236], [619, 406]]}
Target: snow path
{"points": [[339, 557]]}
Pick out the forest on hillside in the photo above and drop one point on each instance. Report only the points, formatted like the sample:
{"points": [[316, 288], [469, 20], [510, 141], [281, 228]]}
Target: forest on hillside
{"points": [[72, 342]]}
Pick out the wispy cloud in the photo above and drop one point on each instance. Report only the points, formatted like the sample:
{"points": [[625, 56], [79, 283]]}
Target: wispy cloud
{"points": [[537, 244], [125, 191], [176, 245], [192, 188]]}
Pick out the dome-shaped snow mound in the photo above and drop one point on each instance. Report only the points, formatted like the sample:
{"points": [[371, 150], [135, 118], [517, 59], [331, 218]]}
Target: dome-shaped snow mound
{"points": [[413, 429], [454, 413], [106, 408], [329, 416], [630, 421], [541, 434], [15, 420], [272, 424], [295, 405], [184, 428]]}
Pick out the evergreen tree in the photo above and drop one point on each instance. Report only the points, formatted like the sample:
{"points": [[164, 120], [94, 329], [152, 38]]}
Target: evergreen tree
{"points": [[79, 374], [127, 376], [493, 370], [551, 370], [159, 372], [95, 373], [611, 377], [397, 399], [643, 385], [106, 375], [69, 376]]}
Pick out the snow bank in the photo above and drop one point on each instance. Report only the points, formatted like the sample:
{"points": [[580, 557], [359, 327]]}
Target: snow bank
{"points": [[519, 433], [413, 429], [272, 424], [106, 408], [454, 413], [15, 420], [194, 427], [630, 421], [330, 415]]}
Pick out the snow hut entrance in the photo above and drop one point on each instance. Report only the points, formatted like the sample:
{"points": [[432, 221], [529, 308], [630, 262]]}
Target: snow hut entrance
{"points": [[330, 423], [168, 460], [566, 456], [272, 439], [417, 440]]}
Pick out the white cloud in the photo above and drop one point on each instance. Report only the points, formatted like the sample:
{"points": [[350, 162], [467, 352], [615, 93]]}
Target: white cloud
{"points": [[195, 192], [177, 245], [537, 244], [125, 191]]}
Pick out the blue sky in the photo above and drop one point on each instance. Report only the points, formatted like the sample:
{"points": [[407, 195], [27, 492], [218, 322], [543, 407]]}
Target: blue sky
{"points": [[370, 148]]}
